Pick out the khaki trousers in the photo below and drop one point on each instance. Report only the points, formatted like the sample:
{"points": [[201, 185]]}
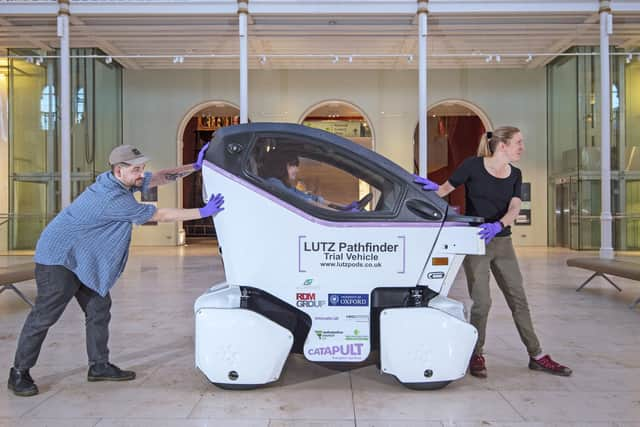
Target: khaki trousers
{"points": [[501, 260]]}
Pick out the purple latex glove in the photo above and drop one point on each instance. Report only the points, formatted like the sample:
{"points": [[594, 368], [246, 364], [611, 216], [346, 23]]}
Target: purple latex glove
{"points": [[213, 206], [198, 164], [427, 185], [489, 230], [351, 207]]}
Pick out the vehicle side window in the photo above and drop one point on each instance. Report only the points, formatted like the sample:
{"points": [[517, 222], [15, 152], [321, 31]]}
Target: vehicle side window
{"points": [[306, 172]]}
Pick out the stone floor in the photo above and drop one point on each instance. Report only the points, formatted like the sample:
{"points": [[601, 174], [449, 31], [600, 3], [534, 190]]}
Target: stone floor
{"points": [[594, 332]]}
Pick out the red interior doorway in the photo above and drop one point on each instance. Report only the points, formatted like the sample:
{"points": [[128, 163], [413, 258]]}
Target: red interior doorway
{"points": [[454, 132], [198, 131]]}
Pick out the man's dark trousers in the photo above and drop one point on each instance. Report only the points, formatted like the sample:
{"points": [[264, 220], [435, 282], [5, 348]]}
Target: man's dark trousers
{"points": [[57, 285]]}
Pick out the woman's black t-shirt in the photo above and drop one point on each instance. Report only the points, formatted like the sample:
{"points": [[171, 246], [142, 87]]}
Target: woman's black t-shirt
{"points": [[486, 195]]}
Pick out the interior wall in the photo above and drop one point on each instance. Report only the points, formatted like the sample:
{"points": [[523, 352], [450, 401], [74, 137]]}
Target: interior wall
{"points": [[155, 103]]}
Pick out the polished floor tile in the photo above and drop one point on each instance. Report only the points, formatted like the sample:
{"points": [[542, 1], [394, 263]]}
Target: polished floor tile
{"points": [[593, 331], [578, 406], [155, 422], [312, 423], [43, 422]]}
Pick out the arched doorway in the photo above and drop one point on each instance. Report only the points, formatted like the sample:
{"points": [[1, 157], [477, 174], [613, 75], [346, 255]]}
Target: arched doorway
{"points": [[454, 129], [349, 121], [196, 129]]}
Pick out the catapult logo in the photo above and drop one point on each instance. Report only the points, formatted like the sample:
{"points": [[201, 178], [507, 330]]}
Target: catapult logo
{"points": [[343, 300], [354, 349], [308, 300]]}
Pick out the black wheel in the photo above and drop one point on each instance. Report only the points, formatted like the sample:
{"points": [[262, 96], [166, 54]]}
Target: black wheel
{"points": [[225, 386], [436, 385]]}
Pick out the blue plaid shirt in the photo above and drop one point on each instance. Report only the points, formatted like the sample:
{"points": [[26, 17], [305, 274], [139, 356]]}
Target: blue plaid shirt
{"points": [[91, 236]]}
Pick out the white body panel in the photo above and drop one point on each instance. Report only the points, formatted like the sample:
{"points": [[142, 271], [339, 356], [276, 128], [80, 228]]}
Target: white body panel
{"points": [[240, 341], [219, 296], [416, 340]]}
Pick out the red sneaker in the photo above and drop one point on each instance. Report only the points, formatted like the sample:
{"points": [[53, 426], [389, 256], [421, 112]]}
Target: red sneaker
{"points": [[547, 364], [477, 366]]}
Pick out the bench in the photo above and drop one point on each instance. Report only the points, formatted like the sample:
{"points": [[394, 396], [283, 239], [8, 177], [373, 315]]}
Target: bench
{"points": [[13, 274], [602, 267]]}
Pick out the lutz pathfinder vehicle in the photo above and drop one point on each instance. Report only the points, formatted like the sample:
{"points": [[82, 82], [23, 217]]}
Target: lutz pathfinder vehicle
{"points": [[333, 283]]}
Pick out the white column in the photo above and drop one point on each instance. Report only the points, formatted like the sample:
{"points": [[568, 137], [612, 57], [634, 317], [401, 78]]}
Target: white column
{"points": [[244, 60], [52, 202], [606, 249], [422, 87], [65, 104]]}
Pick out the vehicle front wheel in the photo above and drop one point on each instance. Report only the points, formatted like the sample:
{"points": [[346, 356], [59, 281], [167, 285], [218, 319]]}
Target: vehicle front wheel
{"points": [[436, 385]]}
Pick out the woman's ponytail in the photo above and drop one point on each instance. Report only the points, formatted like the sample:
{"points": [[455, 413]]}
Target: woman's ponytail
{"points": [[490, 140]]}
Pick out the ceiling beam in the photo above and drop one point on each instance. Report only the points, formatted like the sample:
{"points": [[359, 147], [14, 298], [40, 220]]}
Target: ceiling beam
{"points": [[498, 7], [106, 46], [408, 47], [630, 43], [409, 7], [30, 8], [289, 7], [151, 7], [564, 43], [258, 46], [625, 6], [34, 42]]}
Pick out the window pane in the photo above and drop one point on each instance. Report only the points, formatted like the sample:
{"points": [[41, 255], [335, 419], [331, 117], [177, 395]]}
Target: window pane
{"points": [[30, 201], [308, 171]]}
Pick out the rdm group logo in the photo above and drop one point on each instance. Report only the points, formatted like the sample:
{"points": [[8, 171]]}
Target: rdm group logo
{"points": [[308, 299]]}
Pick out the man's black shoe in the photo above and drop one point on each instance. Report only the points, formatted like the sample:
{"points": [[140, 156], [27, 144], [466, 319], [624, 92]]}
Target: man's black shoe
{"points": [[108, 372], [21, 383]]}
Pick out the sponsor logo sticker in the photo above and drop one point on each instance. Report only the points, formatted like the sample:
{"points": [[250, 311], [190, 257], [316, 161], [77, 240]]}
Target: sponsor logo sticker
{"points": [[326, 318], [323, 335], [308, 299], [348, 300], [357, 336], [354, 349]]}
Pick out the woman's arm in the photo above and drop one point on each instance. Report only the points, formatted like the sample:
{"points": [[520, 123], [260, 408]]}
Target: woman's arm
{"points": [[512, 213], [166, 176], [445, 189]]}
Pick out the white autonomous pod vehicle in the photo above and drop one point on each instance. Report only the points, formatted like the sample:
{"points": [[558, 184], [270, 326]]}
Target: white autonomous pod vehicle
{"points": [[334, 281]]}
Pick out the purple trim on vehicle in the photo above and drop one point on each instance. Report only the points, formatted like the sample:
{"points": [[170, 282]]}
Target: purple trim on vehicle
{"points": [[323, 222]]}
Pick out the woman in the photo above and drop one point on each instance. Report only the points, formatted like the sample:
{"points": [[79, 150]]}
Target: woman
{"points": [[284, 175], [493, 188]]}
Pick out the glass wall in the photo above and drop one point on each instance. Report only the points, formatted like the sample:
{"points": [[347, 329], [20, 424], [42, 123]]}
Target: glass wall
{"points": [[34, 148], [630, 146], [573, 101]]}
